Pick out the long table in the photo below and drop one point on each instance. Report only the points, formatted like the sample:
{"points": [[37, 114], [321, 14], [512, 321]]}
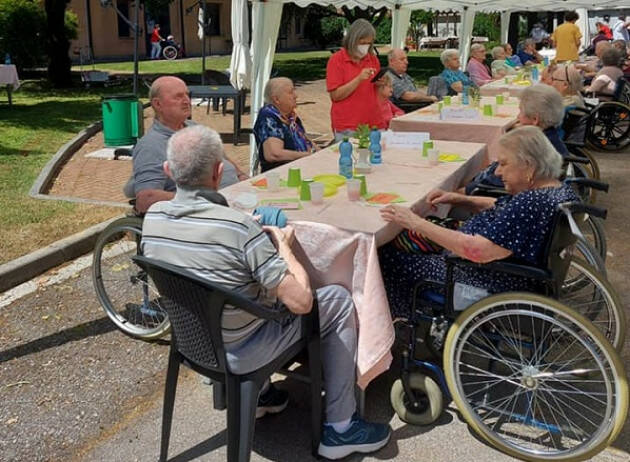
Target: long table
{"points": [[486, 129], [499, 87], [337, 241]]}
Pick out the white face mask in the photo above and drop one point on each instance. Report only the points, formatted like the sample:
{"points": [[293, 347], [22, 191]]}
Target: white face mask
{"points": [[362, 50]]}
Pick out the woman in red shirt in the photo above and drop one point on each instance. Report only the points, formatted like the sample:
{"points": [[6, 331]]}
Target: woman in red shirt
{"points": [[349, 81]]}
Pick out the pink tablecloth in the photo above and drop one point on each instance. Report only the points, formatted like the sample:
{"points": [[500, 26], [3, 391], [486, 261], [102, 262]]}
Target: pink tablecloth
{"points": [[486, 130], [499, 87], [338, 240], [9, 76]]}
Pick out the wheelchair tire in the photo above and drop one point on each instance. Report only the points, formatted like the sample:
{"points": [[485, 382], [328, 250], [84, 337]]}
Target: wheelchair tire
{"points": [[433, 398], [537, 406], [125, 292], [587, 292], [593, 230], [609, 127], [169, 52]]}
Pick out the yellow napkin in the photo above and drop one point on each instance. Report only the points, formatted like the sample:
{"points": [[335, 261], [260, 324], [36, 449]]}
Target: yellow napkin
{"points": [[450, 157]]}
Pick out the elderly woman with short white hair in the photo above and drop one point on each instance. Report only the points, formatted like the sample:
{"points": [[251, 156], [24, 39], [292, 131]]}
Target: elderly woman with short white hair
{"points": [[455, 79], [500, 67], [477, 69], [516, 226], [280, 135]]}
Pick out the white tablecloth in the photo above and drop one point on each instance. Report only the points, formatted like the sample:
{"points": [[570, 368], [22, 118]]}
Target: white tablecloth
{"points": [[9, 76], [339, 239]]}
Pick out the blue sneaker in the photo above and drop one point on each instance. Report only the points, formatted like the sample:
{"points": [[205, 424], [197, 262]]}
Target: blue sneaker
{"points": [[362, 436]]}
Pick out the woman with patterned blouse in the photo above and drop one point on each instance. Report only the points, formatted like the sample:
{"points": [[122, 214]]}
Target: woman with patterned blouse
{"points": [[516, 226], [280, 135], [455, 79]]}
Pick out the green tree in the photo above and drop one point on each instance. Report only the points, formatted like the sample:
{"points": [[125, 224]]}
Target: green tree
{"points": [[384, 31], [22, 29], [417, 22], [487, 25]]}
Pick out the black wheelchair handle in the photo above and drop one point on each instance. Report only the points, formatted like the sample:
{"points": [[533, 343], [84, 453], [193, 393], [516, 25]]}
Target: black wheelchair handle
{"points": [[599, 185], [578, 207], [576, 159]]}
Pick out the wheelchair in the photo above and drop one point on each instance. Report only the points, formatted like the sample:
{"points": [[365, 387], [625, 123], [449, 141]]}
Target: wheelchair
{"points": [[534, 377], [125, 291]]}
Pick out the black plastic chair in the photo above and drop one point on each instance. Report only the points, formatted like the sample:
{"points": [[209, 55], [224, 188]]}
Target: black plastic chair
{"points": [[195, 308]]}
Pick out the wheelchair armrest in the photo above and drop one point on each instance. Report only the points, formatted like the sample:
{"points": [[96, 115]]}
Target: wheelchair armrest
{"points": [[490, 191], [576, 159], [598, 185], [573, 144], [503, 266], [579, 207]]}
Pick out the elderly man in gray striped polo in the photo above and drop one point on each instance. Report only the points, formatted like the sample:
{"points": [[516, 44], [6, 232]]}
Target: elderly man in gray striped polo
{"points": [[198, 231]]}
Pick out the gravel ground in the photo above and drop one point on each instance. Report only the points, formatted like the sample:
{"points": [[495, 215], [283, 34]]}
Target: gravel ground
{"points": [[74, 388]]}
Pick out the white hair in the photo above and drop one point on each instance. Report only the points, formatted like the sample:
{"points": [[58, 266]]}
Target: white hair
{"points": [[274, 86], [544, 102], [496, 50], [532, 148], [448, 54], [477, 46], [192, 153]]}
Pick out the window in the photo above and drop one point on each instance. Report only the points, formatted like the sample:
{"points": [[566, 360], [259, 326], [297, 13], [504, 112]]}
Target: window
{"points": [[299, 24], [123, 27], [213, 19]]}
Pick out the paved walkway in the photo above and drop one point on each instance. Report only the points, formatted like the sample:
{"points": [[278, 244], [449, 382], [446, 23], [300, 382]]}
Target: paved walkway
{"points": [[102, 180]]}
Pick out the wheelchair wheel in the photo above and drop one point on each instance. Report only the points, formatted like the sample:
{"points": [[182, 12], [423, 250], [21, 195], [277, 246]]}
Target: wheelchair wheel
{"points": [[169, 52], [593, 230], [430, 402], [591, 295], [609, 129], [515, 365], [126, 293]]}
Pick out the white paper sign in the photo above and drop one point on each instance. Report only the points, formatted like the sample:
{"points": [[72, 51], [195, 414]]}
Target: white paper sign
{"points": [[404, 139], [459, 113]]}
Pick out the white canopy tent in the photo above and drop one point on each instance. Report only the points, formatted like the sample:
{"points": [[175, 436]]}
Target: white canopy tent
{"points": [[266, 15]]}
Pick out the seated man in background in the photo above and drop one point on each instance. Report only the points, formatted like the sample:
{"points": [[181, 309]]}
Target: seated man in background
{"points": [[149, 184], [477, 69], [455, 79], [280, 135], [196, 231], [404, 88], [528, 54]]}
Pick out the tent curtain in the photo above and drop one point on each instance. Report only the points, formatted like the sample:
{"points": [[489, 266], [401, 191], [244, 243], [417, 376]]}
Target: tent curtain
{"points": [[266, 17], [505, 26], [465, 35], [400, 26], [582, 23], [241, 62]]}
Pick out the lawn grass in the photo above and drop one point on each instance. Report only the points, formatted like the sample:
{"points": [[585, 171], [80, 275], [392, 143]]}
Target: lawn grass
{"points": [[42, 119]]}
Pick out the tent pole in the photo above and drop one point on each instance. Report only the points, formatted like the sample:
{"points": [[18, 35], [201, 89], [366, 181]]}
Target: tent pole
{"points": [[203, 43]]}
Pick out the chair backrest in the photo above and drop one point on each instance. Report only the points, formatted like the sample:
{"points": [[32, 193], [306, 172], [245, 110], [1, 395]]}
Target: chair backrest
{"points": [[437, 87], [212, 77], [575, 126], [194, 307], [622, 91]]}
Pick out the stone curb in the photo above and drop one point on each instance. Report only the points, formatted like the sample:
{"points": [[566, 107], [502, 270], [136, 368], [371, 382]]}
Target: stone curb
{"points": [[27, 267]]}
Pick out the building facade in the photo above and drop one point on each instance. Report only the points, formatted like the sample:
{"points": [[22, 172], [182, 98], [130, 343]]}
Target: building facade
{"points": [[104, 35]]}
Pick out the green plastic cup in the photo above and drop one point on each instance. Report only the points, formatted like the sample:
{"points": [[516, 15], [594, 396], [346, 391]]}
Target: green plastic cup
{"points": [[295, 178], [425, 148], [447, 100], [487, 109], [499, 99], [507, 81], [305, 189], [363, 180], [440, 106]]}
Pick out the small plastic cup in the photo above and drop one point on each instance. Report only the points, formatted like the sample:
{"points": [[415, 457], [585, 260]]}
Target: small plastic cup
{"points": [[305, 189], [273, 180], [507, 81], [440, 106], [363, 181], [317, 193], [294, 178], [433, 156], [506, 96], [425, 148], [487, 109], [353, 187], [447, 100], [499, 99]]}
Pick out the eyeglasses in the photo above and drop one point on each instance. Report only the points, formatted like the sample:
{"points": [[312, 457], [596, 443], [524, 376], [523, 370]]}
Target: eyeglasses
{"points": [[566, 79]]}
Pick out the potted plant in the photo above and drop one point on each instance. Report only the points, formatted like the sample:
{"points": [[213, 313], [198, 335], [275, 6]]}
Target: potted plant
{"points": [[363, 135]]}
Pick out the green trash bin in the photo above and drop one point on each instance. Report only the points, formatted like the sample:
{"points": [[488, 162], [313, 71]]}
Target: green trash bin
{"points": [[123, 121]]}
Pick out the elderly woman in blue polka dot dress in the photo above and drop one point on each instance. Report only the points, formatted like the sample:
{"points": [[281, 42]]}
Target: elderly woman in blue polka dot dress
{"points": [[516, 226]]}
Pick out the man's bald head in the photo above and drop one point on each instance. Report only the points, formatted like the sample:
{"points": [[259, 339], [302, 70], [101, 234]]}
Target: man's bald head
{"points": [[397, 60], [276, 87], [170, 101]]}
